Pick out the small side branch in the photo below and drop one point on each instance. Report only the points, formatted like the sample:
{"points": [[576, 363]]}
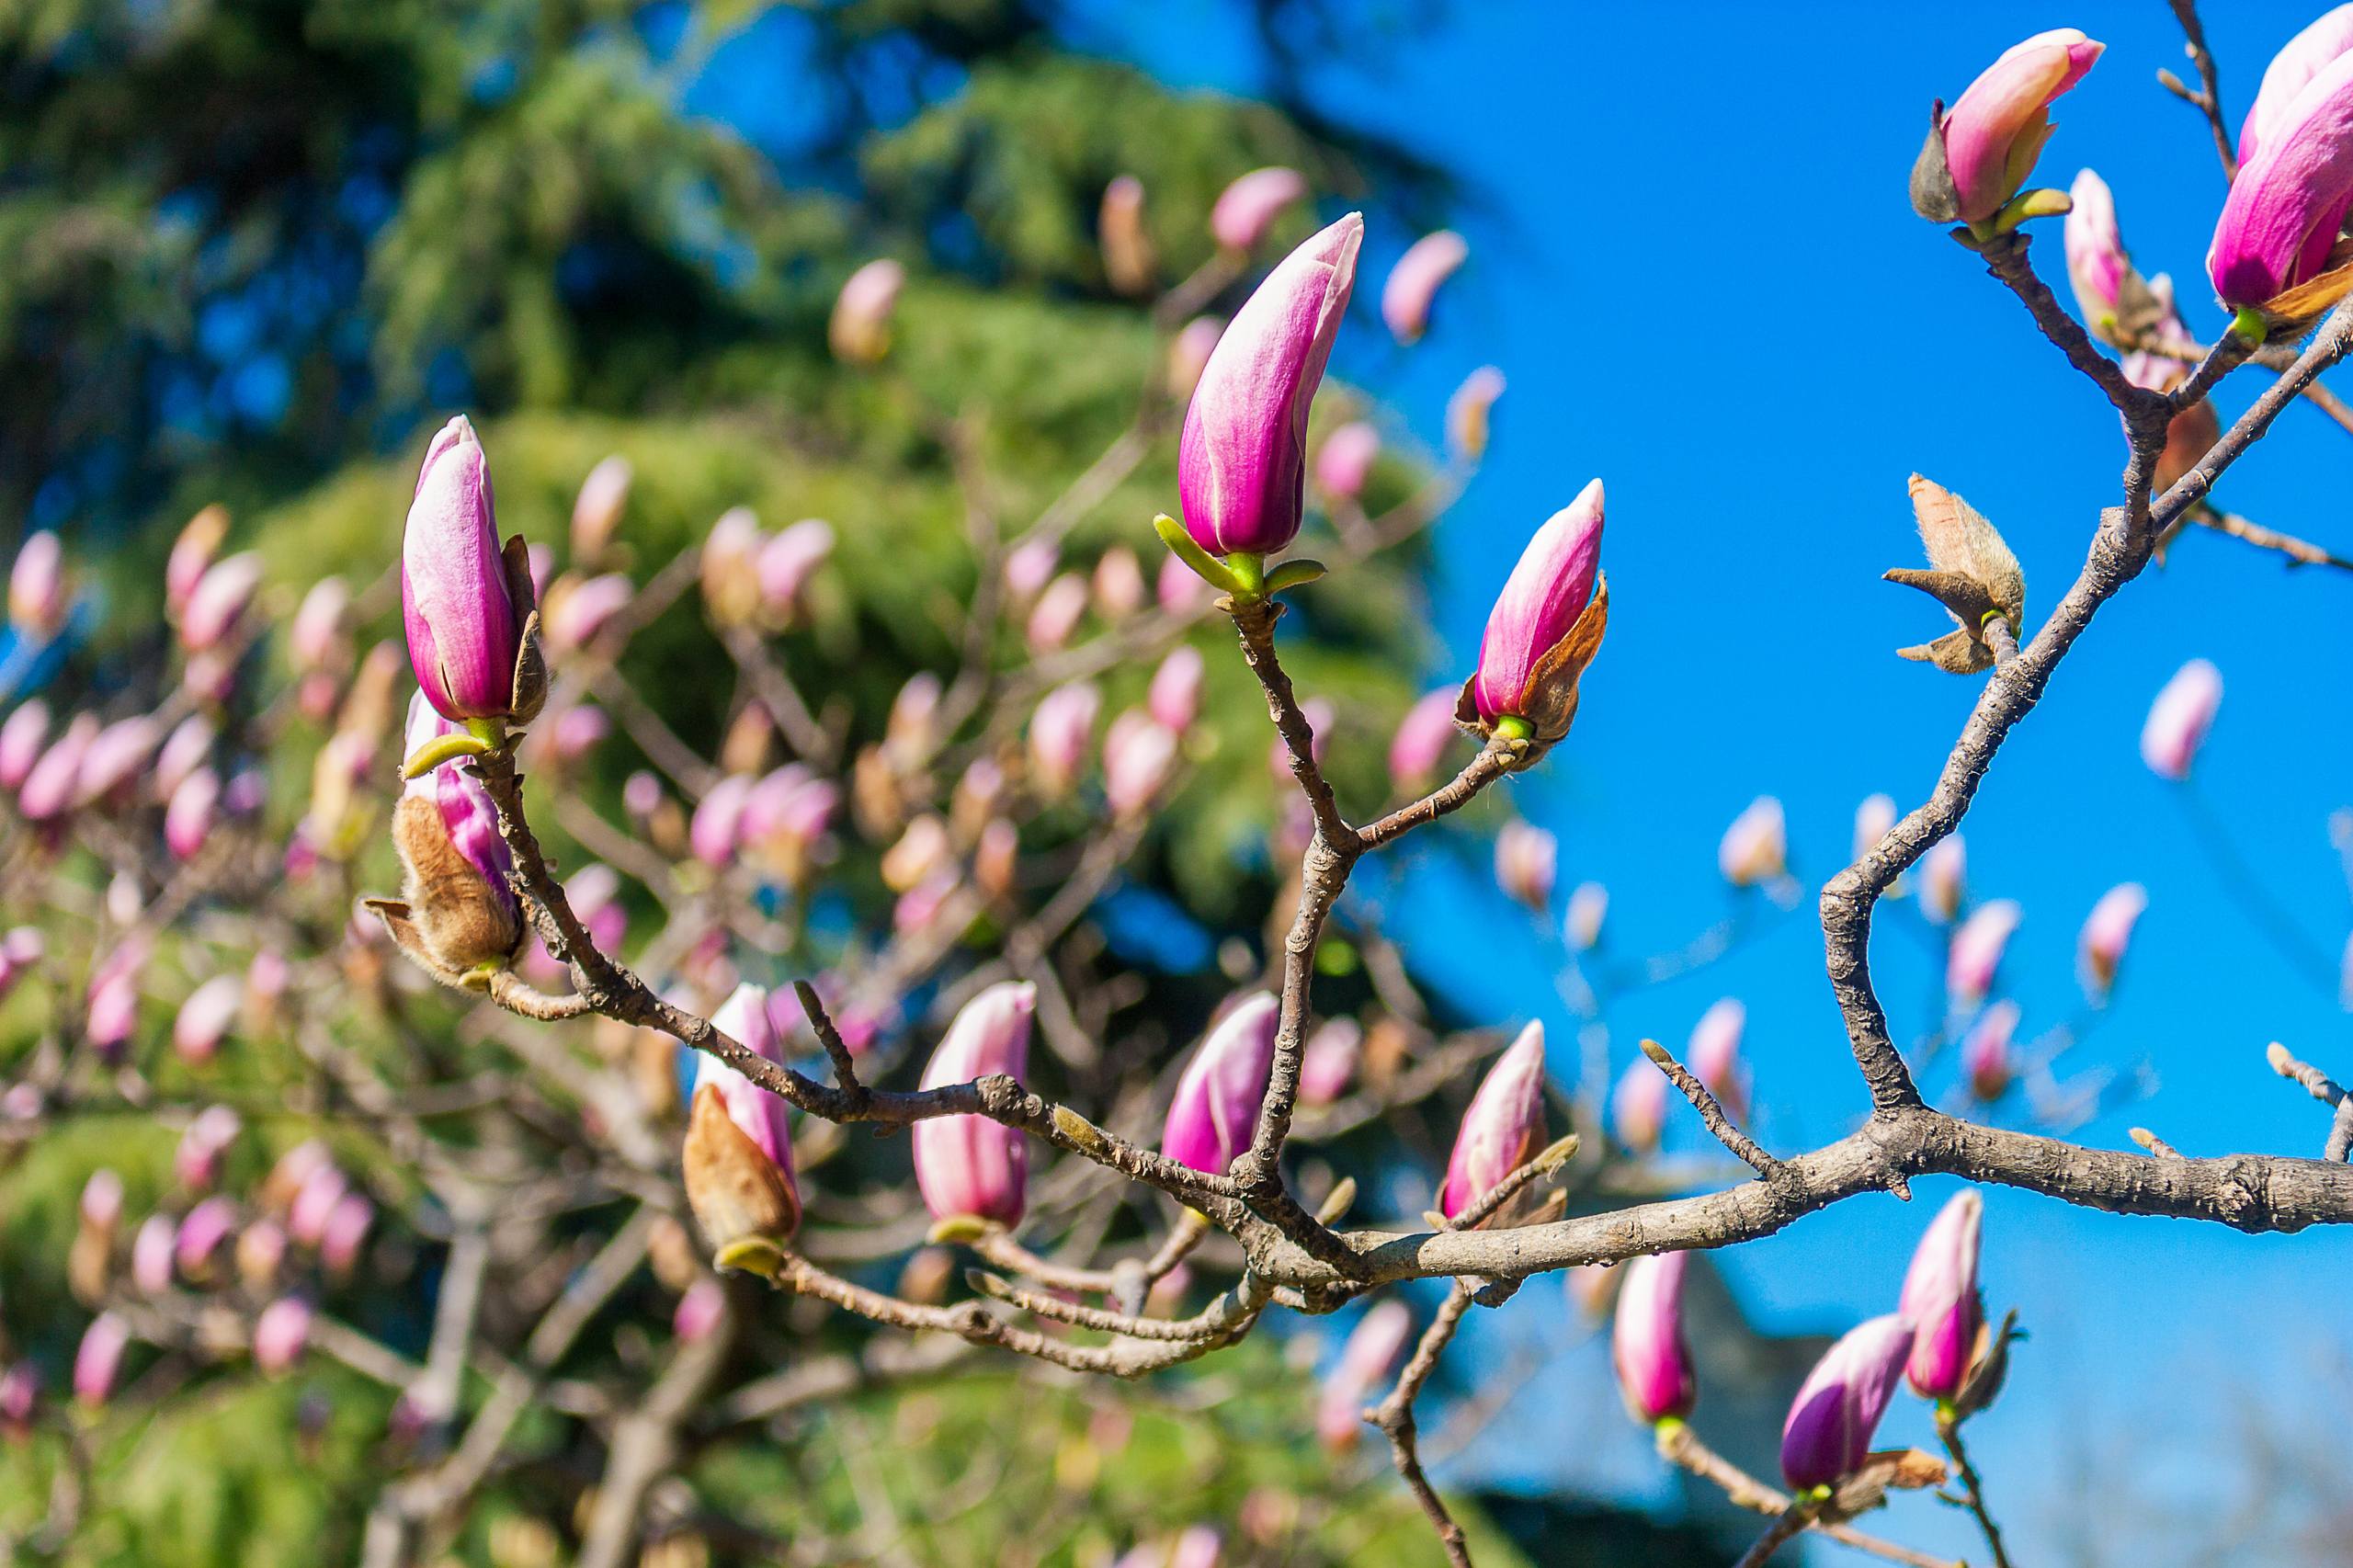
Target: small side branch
{"points": [[1679, 1446], [2206, 96], [2323, 1088], [1972, 1488], [1711, 1111], [1395, 1416]]}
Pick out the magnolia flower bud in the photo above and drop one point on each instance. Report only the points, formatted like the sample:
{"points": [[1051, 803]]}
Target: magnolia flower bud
{"points": [[699, 1311], [1327, 1062], [1756, 848], [729, 567], [1175, 699], [1980, 154], [113, 1000], [1986, 1052], [1241, 459], [2107, 932], [716, 827], [457, 909], [345, 1233], [1414, 282], [739, 1147], [1838, 1406], [280, 1335], [1345, 460], [21, 735], [1527, 859], [2097, 262], [188, 818], [1638, 1107], [1545, 628], [2179, 719], [101, 1205], [117, 754], [2291, 70], [1180, 591], [1139, 752], [788, 562], [1469, 413], [184, 750], [1128, 259], [98, 1362], [922, 851], [1422, 738], [1189, 355], [859, 331], [577, 609], [1060, 730], [996, 857], [49, 788], [1216, 1106], [1581, 925], [466, 604], [1972, 572], [1502, 1128], [1874, 819], [19, 1396], [202, 1234], [261, 1253], [1713, 1053], [38, 595], [1057, 613], [1654, 1365], [196, 1162], [1976, 950], [2280, 221], [1940, 1299], [1119, 589], [1248, 208], [969, 1165], [1944, 879], [1367, 1358], [322, 1186], [204, 1019], [597, 510], [21, 947], [150, 1254]]}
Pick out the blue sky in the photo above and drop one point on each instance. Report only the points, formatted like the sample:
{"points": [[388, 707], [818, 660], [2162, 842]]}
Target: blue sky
{"points": [[1694, 259]]}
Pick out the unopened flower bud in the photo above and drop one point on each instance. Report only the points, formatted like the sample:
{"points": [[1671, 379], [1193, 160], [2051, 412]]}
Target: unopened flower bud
{"points": [[1756, 849], [739, 1173], [1838, 1407], [577, 609], [1060, 730], [204, 1019], [2273, 244], [1470, 414], [1367, 1358], [346, 1234], [280, 1335], [1638, 1107], [1414, 282], [1944, 879], [49, 788], [1421, 742], [1654, 1365], [1581, 925], [2179, 719], [1327, 1062], [1940, 1299], [1119, 586], [1344, 462], [1128, 263], [203, 1232], [1189, 355], [197, 1161], [788, 562], [1246, 208], [859, 331], [459, 905], [1503, 1127], [597, 510], [1139, 754], [1545, 628], [1976, 950], [1057, 613], [729, 567], [98, 1362], [1980, 154], [150, 1254], [1527, 861], [1175, 699], [21, 735], [1873, 820], [1713, 1054], [39, 597], [465, 603], [1216, 1106], [2107, 932], [1986, 1052], [970, 1164], [192, 551]]}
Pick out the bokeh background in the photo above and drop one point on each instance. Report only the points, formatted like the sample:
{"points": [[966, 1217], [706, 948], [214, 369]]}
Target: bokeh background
{"points": [[251, 251]]}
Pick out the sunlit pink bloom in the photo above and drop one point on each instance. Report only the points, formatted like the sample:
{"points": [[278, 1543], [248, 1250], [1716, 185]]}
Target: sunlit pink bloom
{"points": [[187, 820], [202, 1234], [1654, 1365], [2289, 201], [1527, 860], [197, 1161], [204, 1019], [1345, 460], [1940, 1298], [2300, 60], [150, 1254], [1028, 567], [1245, 210], [1756, 848], [320, 624], [1414, 282], [1944, 877], [579, 608], [21, 735], [1139, 752], [1838, 1406], [1977, 948], [1470, 414], [859, 331], [114, 759], [1216, 1105], [1638, 1107], [1181, 590], [2180, 717], [2107, 932], [1119, 589], [20, 948], [1175, 699], [39, 595], [218, 606], [98, 1362], [1996, 128], [1581, 925], [597, 510], [1060, 731], [1242, 459], [101, 1207], [281, 1333], [1713, 1053], [19, 1396], [1327, 1062], [113, 1000], [969, 1165], [714, 832], [49, 785], [2096, 263], [463, 630], [260, 1254], [1503, 1129], [1421, 742], [1546, 593], [192, 553], [700, 1309], [183, 752], [923, 903], [314, 1199], [1189, 355], [1367, 1358], [1986, 1052], [1057, 613], [744, 1018], [1873, 818], [729, 566], [789, 560], [348, 1224]]}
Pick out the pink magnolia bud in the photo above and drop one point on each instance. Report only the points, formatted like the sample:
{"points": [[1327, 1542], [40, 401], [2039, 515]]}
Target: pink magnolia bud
{"points": [[738, 1161], [189, 819], [1139, 752], [2107, 932], [789, 561], [2281, 218], [204, 1019], [1542, 603], [115, 759], [261, 1253], [20, 948], [923, 849], [1057, 613], [196, 1162], [217, 608], [577, 609], [1345, 460], [1713, 1053], [346, 1234], [1527, 860], [1414, 282], [1638, 1107], [102, 1199], [1940, 1298], [1981, 152], [39, 595], [2098, 264], [1181, 590], [580, 728], [1242, 457], [1986, 1052], [1119, 589], [729, 566], [280, 1335], [464, 628], [1873, 820], [1128, 259], [969, 1165], [1421, 742], [1838, 1406], [1588, 907], [202, 1234], [859, 331], [715, 829], [1216, 1106], [19, 1396], [1503, 1129], [322, 1186], [1030, 566], [923, 903], [1655, 1373], [1470, 414], [597, 510], [98, 1362], [319, 636], [184, 750], [49, 787], [1366, 1360], [2179, 719], [1059, 731], [1327, 1062], [1977, 948], [113, 1000], [192, 551], [1174, 699], [1944, 879], [21, 735], [458, 865], [701, 1310], [2300, 60], [1756, 848], [150, 1254], [1248, 208], [1188, 355]]}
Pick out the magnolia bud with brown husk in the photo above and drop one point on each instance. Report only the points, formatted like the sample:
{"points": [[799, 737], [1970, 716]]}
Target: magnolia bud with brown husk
{"points": [[458, 914], [1973, 574], [738, 1157]]}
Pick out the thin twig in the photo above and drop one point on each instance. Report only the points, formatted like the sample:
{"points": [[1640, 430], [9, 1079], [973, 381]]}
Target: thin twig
{"points": [[1680, 1446], [1711, 1110], [2208, 98], [1395, 1416], [1972, 1488]]}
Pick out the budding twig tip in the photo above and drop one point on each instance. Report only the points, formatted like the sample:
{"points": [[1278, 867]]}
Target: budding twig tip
{"points": [[1657, 1053]]}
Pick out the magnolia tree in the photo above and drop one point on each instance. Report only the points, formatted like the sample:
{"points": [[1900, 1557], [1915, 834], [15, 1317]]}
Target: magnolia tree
{"points": [[1123, 1207]]}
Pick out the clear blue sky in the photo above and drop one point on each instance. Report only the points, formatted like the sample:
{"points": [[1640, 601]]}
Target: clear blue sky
{"points": [[1694, 259]]}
